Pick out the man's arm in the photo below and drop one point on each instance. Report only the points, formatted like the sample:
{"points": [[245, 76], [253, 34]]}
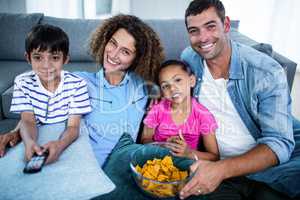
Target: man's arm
{"points": [[71, 133], [209, 175], [257, 159]]}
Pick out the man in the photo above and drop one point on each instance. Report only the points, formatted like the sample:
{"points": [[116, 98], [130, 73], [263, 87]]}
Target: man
{"points": [[247, 92]]}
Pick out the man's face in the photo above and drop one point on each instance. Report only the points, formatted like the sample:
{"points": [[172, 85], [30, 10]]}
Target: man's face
{"points": [[207, 33]]}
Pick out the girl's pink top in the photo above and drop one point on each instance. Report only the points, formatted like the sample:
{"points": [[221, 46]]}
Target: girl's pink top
{"points": [[199, 122]]}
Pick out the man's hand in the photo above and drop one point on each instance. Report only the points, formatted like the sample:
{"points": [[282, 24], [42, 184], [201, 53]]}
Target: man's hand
{"points": [[208, 176], [55, 148], [8, 139]]}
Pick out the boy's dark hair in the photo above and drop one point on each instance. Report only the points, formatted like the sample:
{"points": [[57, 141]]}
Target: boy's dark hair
{"points": [[182, 64], [198, 6], [47, 37]]}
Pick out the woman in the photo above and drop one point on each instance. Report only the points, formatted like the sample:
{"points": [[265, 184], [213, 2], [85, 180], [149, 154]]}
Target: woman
{"points": [[128, 52]]}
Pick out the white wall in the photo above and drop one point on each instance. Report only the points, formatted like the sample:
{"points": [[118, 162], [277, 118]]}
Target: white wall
{"points": [[255, 19], [163, 9], [270, 21], [56, 8]]}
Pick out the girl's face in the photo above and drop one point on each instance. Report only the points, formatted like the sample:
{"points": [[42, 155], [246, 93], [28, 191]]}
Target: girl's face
{"points": [[119, 52], [176, 84]]}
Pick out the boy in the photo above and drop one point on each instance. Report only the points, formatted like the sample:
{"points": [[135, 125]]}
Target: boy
{"points": [[47, 94]]}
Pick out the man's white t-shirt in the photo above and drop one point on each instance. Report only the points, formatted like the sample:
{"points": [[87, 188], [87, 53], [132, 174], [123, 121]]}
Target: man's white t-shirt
{"points": [[232, 135]]}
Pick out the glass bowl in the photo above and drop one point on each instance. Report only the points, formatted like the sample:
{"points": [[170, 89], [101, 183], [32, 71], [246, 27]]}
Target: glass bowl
{"points": [[155, 188]]}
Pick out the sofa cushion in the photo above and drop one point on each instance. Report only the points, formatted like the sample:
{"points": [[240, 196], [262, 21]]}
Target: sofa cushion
{"points": [[8, 71], [6, 101], [75, 175], [175, 41], [79, 32], [14, 28], [288, 66], [265, 48], [7, 125], [81, 66]]}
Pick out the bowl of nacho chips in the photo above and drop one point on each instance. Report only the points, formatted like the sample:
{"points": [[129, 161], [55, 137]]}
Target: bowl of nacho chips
{"points": [[157, 172]]}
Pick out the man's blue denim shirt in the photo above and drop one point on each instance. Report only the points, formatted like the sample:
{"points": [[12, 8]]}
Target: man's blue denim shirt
{"points": [[115, 110], [259, 91]]}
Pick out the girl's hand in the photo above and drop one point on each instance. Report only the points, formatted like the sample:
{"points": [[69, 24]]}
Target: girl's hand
{"points": [[178, 146], [31, 148], [152, 103], [55, 149]]}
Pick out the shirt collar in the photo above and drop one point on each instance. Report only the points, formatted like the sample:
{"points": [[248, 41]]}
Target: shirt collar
{"points": [[235, 70], [58, 89], [106, 84]]}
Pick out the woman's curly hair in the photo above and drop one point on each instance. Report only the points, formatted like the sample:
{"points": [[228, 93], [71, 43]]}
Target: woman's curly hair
{"points": [[149, 51]]}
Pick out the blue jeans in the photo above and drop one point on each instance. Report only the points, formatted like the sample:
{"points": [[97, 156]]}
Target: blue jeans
{"points": [[285, 179]]}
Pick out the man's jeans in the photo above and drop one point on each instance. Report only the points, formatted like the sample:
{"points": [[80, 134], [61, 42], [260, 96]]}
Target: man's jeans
{"points": [[288, 182]]}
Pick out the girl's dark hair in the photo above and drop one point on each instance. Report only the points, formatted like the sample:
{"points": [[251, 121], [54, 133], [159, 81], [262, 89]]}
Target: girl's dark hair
{"points": [[182, 64], [47, 37], [149, 51]]}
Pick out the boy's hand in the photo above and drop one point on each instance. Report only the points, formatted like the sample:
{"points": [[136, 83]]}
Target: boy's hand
{"points": [[8, 139], [31, 148], [55, 149]]}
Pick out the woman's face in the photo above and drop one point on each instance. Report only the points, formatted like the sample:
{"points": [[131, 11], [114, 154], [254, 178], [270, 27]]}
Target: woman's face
{"points": [[119, 52]]}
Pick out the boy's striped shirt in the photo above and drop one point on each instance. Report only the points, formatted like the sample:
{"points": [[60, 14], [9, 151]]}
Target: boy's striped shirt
{"points": [[70, 98]]}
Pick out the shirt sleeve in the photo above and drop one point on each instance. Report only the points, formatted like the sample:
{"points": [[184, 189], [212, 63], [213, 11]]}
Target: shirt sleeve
{"points": [[152, 118], [20, 101], [274, 114], [80, 103], [208, 122]]}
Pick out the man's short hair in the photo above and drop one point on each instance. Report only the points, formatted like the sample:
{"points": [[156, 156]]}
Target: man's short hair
{"points": [[198, 6]]}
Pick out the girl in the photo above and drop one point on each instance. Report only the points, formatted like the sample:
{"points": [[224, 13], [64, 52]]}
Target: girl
{"points": [[178, 118]]}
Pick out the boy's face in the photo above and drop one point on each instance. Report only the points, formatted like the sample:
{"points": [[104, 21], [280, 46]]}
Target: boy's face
{"points": [[176, 84], [47, 65]]}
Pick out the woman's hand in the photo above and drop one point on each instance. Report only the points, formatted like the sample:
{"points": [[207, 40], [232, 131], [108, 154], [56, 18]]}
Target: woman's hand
{"points": [[55, 148]]}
